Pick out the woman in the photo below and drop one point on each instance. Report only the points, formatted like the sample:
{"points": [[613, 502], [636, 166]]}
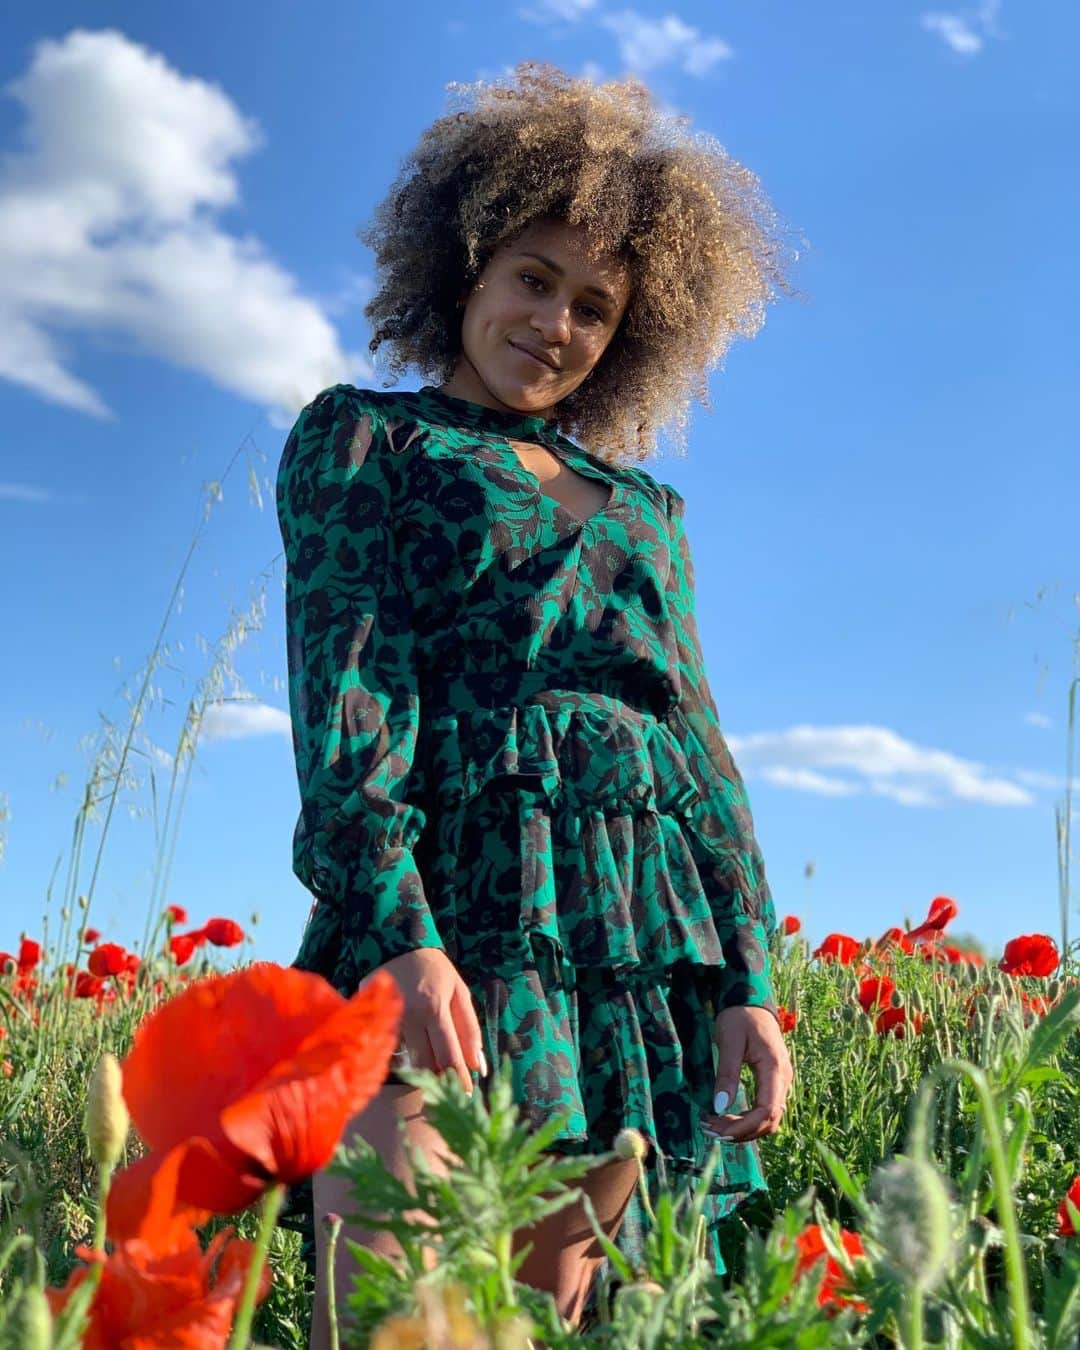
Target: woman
{"points": [[515, 791]]}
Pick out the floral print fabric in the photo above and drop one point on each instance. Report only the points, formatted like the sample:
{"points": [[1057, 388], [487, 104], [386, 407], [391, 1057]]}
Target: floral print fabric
{"points": [[507, 748]]}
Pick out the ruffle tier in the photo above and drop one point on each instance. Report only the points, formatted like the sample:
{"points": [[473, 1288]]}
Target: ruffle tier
{"points": [[571, 828]]}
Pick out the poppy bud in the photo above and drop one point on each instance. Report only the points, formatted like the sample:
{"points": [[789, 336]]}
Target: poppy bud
{"points": [[630, 1143], [639, 1297], [1054, 990], [82, 902], [917, 1001], [912, 1220], [106, 1112], [29, 1324]]}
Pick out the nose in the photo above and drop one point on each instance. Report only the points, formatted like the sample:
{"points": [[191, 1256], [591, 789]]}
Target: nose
{"points": [[552, 322]]}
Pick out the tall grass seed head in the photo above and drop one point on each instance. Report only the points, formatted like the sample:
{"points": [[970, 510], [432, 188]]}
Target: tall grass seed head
{"points": [[107, 1118], [630, 1143], [912, 1220]]}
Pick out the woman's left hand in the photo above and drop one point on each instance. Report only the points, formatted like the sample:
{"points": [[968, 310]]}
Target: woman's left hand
{"points": [[751, 1036]]}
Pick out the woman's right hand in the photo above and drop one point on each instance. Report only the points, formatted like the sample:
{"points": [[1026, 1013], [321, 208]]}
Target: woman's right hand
{"points": [[439, 1026]]}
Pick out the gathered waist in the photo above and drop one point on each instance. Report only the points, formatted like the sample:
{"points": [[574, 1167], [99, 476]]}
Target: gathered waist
{"points": [[461, 689]]}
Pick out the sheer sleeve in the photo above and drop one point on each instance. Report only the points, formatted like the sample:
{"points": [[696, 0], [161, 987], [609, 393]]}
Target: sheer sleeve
{"points": [[353, 691], [747, 924]]}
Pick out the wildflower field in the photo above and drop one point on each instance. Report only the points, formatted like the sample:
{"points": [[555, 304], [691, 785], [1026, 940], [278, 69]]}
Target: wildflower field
{"points": [[924, 1186], [159, 1096]]}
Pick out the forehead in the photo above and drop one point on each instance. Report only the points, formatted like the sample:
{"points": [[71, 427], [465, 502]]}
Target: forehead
{"points": [[572, 248]]}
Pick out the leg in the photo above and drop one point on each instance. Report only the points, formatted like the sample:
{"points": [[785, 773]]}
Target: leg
{"points": [[378, 1125], [566, 1255]]}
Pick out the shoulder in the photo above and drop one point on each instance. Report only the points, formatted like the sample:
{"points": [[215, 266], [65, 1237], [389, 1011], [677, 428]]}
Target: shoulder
{"points": [[341, 425], [664, 497]]}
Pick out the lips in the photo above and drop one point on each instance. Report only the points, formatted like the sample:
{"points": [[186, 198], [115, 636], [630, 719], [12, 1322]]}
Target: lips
{"points": [[528, 351]]}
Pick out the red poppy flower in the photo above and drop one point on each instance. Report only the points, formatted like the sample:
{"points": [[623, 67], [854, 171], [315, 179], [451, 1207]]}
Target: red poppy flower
{"points": [[108, 959], [1065, 1224], [91, 936], [29, 955], [790, 924], [895, 1020], [176, 913], [812, 1249], [8, 964], [182, 946], [838, 947], [265, 1067], [788, 1018], [149, 1300], [896, 937], [223, 932], [1032, 954], [876, 992], [87, 985]]}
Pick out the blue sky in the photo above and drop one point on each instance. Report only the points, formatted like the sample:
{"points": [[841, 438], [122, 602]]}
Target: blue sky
{"points": [[882, 501]]}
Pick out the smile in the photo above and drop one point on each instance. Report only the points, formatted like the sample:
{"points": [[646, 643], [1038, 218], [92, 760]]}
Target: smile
{"points": [[543, 364]]}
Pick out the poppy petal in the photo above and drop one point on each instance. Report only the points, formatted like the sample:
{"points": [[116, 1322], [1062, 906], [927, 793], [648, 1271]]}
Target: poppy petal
{"points": [[219, 1038], [293, 1121], [142, 1203]]}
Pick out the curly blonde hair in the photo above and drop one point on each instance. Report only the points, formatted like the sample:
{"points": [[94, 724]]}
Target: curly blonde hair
{"points": [[701, 243]]}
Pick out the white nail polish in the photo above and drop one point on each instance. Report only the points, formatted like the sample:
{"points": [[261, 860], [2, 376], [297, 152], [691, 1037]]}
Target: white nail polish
{"points": [[483, 1065], [720, 1103]]}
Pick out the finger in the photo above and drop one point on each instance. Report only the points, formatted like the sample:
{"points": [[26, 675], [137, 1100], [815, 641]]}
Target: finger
{"points": [[763, 1117], [447, 1049], [742, 1129], [415, 1042], [467, 1024], [731, 1052]]}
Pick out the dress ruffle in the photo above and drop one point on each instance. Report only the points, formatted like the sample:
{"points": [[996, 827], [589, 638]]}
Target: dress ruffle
{"points": [[602, 827]]}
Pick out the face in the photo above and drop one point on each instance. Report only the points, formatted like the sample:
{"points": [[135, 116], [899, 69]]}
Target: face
{"points": [[547, 293]]}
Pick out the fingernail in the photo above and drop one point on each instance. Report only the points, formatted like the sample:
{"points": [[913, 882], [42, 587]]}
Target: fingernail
{"points": [[720, 1103], [483, 1065]]}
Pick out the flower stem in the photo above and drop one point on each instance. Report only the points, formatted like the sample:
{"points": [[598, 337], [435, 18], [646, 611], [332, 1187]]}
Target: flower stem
{"points": [[331, 1283], [105, 1172], [1016, 1273], [246, 1311], [913, 1339]]}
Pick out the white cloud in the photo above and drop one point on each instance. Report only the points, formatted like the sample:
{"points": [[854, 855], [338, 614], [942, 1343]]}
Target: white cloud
{"points": [[23, 492], [555, 11], [964, 32], [235, 720], [873, 760], [645, 44], [1038, 719], [108, 226], [1053, 782]]}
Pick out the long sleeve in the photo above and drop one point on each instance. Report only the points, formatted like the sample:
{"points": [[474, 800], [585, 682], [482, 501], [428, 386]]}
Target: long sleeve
{"points": [[747, 926], [353, 691]]}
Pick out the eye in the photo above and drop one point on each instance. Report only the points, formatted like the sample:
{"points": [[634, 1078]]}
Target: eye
{"points": [[591, 310]]}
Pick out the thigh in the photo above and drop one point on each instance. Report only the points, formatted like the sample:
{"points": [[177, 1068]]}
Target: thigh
{"points": [[380, 1125], [565, 1252]]}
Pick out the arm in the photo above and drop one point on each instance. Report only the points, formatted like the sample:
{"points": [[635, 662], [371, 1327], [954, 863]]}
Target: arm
{"points": [[353, 690], [747, 924]]}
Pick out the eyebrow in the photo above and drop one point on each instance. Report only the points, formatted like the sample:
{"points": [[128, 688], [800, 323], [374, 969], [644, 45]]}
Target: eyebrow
{"points": [[559, 272]]}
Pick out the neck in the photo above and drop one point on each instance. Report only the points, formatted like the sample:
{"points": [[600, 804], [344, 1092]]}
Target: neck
{"points": [[465, 383]]}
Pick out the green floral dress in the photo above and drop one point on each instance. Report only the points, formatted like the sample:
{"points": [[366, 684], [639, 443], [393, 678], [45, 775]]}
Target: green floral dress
{"points": [[507, 748]]}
